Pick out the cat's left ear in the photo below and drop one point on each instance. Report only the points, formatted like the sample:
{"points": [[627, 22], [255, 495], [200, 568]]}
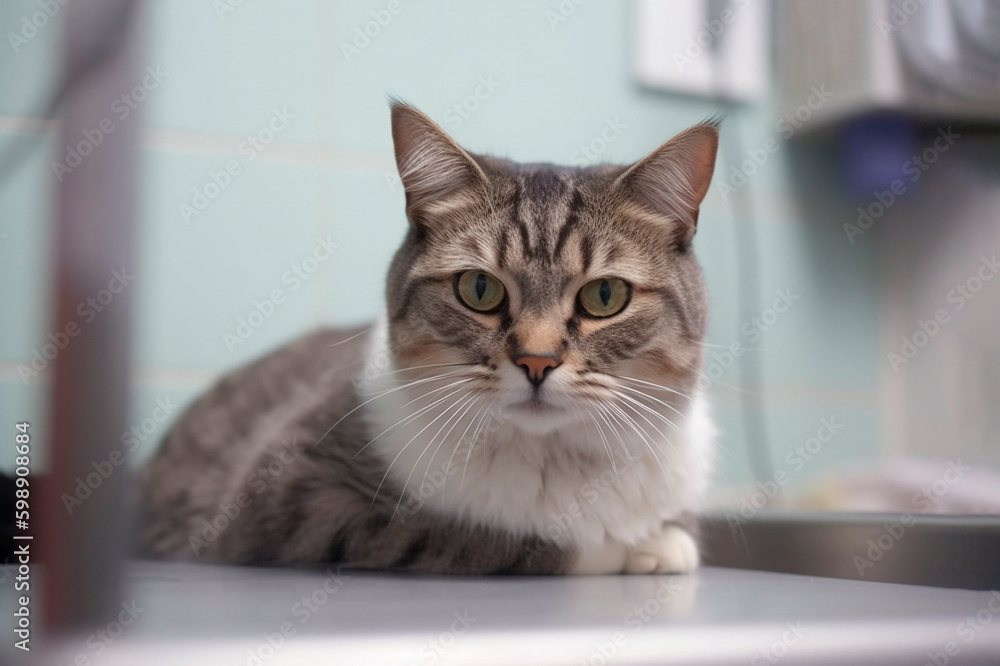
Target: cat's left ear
{"points": [[673, 180]]}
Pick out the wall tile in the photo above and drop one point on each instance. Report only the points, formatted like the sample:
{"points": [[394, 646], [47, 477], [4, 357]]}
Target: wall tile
{"points": [[198, 278], [26, 201]]}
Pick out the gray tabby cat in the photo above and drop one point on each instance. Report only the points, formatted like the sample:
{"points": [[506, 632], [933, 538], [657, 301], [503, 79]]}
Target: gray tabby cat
{"points": [[528, 404]]}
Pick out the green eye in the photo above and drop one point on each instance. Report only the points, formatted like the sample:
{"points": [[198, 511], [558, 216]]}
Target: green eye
{"points": [[480, 291], [604, 297]]}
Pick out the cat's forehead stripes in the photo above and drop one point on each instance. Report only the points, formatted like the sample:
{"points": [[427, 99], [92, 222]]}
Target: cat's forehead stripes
{"points": [[569, 225], [560, 219], [544, 224], [545, 208], [544, 231]]}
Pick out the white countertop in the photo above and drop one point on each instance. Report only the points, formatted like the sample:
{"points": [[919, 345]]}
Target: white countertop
{"points": [[201, 614]]}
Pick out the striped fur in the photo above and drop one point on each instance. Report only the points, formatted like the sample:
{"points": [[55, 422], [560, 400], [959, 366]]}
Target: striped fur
{"points": [[420, 444]]}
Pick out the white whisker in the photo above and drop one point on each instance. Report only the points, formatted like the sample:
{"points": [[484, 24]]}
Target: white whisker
{"points": [[441, 388], [628, 455], [644, 418], [407, 445], [607, 446], [376, 397], [475, 437], [646, 439], [656, 386], [654, 399], [407, 419], [457, 406], [419, 367], [353, 337], [661, 416], [458, 442], [650, 410]]}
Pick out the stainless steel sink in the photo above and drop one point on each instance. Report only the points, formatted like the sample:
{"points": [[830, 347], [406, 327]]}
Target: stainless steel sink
{"points": [[916, 549]]}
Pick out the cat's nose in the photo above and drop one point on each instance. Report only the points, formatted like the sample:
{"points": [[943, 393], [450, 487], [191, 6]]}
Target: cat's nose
{"points": [[537, 367]]}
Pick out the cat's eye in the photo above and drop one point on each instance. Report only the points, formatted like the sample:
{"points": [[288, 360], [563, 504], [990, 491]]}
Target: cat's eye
{"points": [[604, 297], [480, 291]]}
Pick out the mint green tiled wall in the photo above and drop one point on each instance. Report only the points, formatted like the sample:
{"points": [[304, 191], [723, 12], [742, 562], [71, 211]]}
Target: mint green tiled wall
{"points": [[547, 90], [200, 276], [28, 60], [25, 208]]}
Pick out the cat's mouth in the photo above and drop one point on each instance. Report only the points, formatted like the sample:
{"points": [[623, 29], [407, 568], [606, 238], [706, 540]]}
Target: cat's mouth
{"points": [[535, 405], [537, 416]]}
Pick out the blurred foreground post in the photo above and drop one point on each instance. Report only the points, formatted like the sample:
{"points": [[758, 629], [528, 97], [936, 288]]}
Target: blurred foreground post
{"points": [[84, 545]]}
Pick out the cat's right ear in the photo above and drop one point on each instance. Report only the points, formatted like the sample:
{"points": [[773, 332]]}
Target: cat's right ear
{"points": [[433, 168]]}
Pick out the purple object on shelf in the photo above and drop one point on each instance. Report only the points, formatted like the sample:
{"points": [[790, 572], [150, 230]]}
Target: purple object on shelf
{"points": [[876, 157]]}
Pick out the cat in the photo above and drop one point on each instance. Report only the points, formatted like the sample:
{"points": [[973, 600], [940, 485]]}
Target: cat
{"points": [[528, 404]]}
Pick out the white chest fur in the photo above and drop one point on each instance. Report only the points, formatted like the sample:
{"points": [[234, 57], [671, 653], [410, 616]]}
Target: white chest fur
{"points": [[479, 466]]}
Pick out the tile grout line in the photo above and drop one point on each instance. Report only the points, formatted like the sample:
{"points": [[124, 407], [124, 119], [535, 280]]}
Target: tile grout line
{"points": [[197, 143]]}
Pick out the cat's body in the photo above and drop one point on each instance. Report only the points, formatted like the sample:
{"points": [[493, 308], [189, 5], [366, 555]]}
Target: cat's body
{"points": [[239, 480], [527, 405]]}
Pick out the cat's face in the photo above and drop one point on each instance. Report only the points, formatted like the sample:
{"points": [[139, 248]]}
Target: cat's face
{"points": [[554, 295]]}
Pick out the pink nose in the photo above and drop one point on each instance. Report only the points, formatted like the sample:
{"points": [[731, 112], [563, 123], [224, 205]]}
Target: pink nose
{"points": [[537, 367]]}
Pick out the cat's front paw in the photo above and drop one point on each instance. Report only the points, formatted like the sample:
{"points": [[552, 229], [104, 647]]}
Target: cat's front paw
{"points": [[595, 560], [671, 551]]}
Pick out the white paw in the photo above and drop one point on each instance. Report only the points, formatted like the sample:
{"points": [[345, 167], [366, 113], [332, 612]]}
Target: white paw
{"points": [[606, 558], [671, 551]]}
